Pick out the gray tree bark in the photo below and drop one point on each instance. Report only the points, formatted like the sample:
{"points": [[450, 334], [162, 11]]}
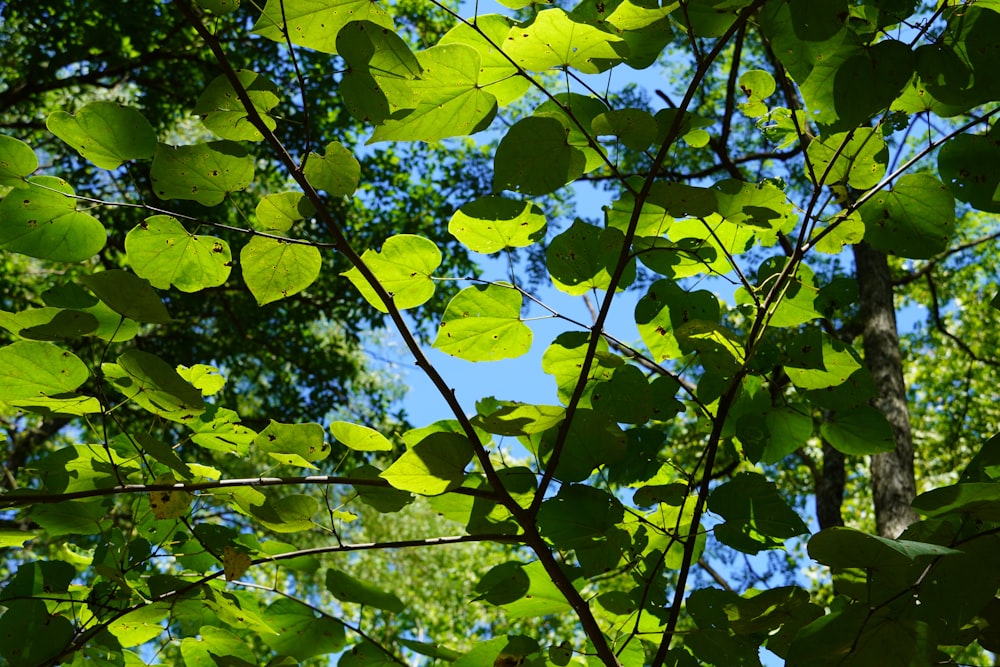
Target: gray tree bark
{"points": [[893, 481]]}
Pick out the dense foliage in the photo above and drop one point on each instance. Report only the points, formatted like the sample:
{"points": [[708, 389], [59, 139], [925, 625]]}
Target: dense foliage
{"points": [[224, 198]]}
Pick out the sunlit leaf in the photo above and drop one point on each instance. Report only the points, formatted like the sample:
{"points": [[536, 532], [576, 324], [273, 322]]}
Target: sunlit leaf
{"points": [[275, 269], [498, 76], [42, 220], [293, 444], [155, 385], [205, 173], [404, 267], [30, 369], [449, 98], [434, 465], [281, 210], [664, 309], [164, 253], [315, 23], [226, 116], [492, 223], [17, 160], [336, 172], [483, 323], [858, 159], [554, 39], [360, 438], [106, 133]]}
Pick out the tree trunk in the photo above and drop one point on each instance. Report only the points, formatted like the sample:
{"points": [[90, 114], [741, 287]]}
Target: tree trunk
{"points": [[830, 488], [893, 484]]}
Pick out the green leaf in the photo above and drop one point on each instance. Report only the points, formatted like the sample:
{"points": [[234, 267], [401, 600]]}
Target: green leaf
{"points": [[535, 157], [153, 384], [128, 295], [577, 113], [541, 597], [798, 298], [226, 116], [286, 514], [30, 370], [564, 358], [111, 325], [48, 323], [869, 81], [360, 438], [579, 516], [70, 518], [554, 39], [404, 268], [219, 6], [483, 323], [858, 159], [915, 219], [449, 98], [846, 547], [21, 626], [279, 211], [205, 378], [314, 24], [366, 654], [756, 85], [433, 466], [680, 200], [106, 133], [756, 517], [140, 626], [382, 499], [300, 633], [512, 418], [218, 429], [275, 269], [980, 499], [16, 538], [594, 440], [164, 253], [583, 258], [205, 173], [337, 171], [164, 454], [492, 223], [17, 160], [664, 309], [787, 429], [497, 75], [293, 444], [346, 588], [817, 361], [42, 221], [631, 398], [863, 430], [634, 127], [212, 641], [970, 167], [376, 84]]}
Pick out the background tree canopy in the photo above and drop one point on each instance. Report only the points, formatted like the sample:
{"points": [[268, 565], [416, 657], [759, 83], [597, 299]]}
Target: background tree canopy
{"points": [[212, 214]]}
